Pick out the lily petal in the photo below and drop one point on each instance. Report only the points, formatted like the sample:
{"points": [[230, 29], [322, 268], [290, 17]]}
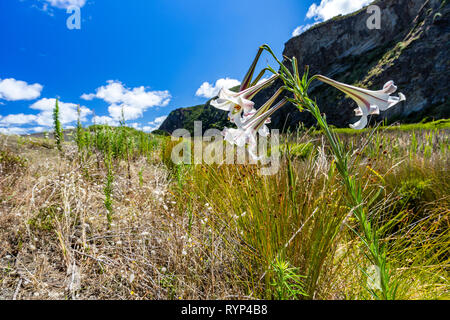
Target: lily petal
{"points": [[361, 124], [369, 102], [237, 102]]}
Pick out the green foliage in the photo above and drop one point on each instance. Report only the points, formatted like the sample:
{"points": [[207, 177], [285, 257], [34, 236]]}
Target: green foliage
{"points": [[141, 177], [45, 219], [124, 142], [286, 283], [443, 124], [298, 150], [210, 117], [108, 188], [58, 131], [10, 162], [168, 282], [412, 192], [79, 134]]}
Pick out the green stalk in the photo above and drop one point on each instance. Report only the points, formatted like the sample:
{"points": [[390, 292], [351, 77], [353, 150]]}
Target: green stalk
{"points": [[59, 137]]}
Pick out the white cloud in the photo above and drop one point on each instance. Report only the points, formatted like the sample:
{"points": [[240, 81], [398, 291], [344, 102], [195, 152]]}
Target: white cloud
{"points": [[105, 120], [133, 102], [300, 29], [68, 112], [155, 124], [208, 90], [328, 9], [13, 130], [44, 119], [13, 90], [88, 97], [64, 4], [158, 120], [129, 112], [38, 129], [14, 119]]}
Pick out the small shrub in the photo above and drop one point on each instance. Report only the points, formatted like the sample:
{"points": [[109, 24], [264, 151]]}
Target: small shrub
{"points": [[287, 283], [10, 162], [45, 218]]}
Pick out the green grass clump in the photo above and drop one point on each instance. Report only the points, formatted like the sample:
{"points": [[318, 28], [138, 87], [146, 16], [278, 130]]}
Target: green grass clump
{"points": [[298, 150], [412, 192], [10, 162], [443, 124], [45, 218]]}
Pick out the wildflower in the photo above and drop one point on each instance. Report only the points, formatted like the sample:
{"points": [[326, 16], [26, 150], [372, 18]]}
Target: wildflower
{"points": [[369, 102], [236, 103], [163, 270], [246, 134]]}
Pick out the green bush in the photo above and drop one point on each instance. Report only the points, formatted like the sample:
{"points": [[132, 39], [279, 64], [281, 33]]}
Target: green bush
{"points": [[412, 193], [10, 162]]}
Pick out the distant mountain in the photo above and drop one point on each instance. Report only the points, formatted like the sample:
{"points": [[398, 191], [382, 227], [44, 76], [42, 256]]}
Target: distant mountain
{"points": [[411, 48], [185, 117]]}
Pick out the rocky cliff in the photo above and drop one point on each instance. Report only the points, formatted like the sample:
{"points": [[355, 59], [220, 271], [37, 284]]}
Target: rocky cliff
{"points": [[411, 48]]}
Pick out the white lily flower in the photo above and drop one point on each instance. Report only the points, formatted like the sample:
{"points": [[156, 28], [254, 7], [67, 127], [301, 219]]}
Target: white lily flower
{"points": [[264, 130], [253, 125], [237, 102], [369, 102]]}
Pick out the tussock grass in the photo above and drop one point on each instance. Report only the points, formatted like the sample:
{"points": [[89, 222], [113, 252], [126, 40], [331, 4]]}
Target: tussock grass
{"points": [[300, 216]]}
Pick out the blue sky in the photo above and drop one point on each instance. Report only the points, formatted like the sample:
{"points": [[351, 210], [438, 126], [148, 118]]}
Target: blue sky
{"points": [[148, 57]]}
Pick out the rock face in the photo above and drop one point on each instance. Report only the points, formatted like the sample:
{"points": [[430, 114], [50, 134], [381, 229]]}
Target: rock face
{"points": [[411, 48]]}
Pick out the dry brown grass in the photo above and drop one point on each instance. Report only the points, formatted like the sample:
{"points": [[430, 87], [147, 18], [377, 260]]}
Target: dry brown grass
{"points": [[56, 243]]}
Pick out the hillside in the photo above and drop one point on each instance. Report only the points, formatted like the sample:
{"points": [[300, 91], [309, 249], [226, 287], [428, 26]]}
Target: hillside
{"points": [[185, 117], [410, 48]]}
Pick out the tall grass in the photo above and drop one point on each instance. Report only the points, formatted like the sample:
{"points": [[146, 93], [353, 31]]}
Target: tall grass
{"points": [[303, 218]]}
